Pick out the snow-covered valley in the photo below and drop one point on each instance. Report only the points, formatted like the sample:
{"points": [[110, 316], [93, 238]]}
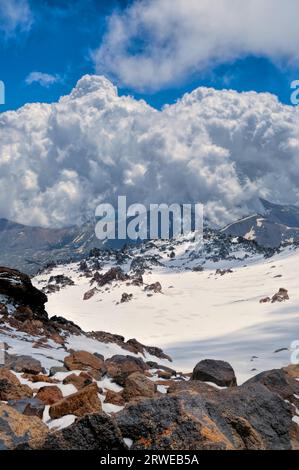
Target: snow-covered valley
{"points": [[199, 314]]}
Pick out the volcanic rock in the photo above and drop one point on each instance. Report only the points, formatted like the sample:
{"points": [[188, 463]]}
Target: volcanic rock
{"points": [[219, 372], [80, 403], [16, 428]]}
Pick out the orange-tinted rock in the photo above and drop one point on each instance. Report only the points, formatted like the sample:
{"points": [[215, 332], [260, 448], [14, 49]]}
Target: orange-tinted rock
{"points": [[49, 394], [79, 381], [11, 388], [120, 367], [83, 360], [137, 385], [39, 378], [17, 428], [80, 403], [115, 398]]}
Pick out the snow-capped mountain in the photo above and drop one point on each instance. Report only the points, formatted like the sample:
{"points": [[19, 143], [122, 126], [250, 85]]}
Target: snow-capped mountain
{"points": [[273, 226], [30, 248]]}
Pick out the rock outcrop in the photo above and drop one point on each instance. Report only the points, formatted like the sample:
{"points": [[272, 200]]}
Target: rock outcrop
{"points": [[18, 286]]}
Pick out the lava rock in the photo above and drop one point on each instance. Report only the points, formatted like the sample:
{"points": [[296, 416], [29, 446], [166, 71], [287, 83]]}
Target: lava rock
{"points": [[11, 388], [17, 429], [120, 367], [28, 406], [279, 381], [80, 403], [19, 288], [85, 361], [23, 363], [239, 418], [218, 372], [138, 385], [125, 297], [79, 381], [49, 394], [280, 296], [92, 432], [155, 287]]}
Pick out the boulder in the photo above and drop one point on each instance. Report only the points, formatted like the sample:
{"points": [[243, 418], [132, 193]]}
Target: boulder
{"points": [[38, 378], [90, 293], [16, 428], [218, 372], [28, 406], [125, 297], [92, 432], [114, 274], [79, 381], [49, 394], [115, 398], [26, 364], [11, 388], [280, 296], [120, 367], [138, 385], [279, 381], [83, 360], [247, 417], [155, 287], [80, 403], [18, 287], [61, 280]]}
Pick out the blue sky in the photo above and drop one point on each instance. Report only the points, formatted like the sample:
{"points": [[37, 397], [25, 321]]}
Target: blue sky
{"points": [[59, 41]]}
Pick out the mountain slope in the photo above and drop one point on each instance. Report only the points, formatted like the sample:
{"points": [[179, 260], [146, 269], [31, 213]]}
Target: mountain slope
{"points": [[209, 304], [29, 248], [275, 225]]}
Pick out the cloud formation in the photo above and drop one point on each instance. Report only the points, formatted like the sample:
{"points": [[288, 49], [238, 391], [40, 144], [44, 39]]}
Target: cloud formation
{"points": [[15, 16], [221, 148], [156, 43], [43, 79]]}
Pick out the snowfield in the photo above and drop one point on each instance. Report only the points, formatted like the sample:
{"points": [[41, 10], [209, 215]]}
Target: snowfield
{"points": [[198, 315]]}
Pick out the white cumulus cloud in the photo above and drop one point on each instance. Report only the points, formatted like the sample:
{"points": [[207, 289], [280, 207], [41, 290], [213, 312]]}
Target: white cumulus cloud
{"points": [[43, 79], [221, 148], [155, 43]]}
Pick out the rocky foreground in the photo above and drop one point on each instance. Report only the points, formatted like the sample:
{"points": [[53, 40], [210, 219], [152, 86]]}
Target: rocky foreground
{"points": [[62, 388]]}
